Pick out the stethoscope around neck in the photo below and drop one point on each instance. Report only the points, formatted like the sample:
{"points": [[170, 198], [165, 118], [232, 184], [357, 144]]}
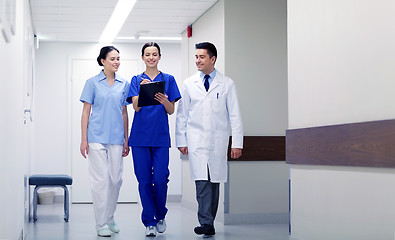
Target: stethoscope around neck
{"points": [[160, 72]]}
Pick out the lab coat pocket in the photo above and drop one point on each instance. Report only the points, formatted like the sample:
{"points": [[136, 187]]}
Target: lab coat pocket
{"points": [[219, 103]]}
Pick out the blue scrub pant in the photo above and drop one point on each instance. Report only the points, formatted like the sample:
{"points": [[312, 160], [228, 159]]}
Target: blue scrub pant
{"points": [[151, 167]]}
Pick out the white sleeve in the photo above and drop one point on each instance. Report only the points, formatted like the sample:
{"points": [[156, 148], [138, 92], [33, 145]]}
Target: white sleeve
{"points": [[182, 118], [236, 124]]}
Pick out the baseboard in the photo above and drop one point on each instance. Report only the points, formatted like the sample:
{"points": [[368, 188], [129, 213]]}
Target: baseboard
{"points": [[255, 218]]}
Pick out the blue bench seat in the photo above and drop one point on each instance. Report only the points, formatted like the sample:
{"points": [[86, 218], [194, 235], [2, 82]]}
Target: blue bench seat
{"points": [[45, 180]]}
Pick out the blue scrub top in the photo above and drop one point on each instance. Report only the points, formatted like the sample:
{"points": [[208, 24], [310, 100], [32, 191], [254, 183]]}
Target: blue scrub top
{"points": [[150, 127], [105, 124]]}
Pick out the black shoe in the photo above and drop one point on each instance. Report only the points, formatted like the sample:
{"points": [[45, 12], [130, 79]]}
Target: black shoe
{"points": [[205, 229]]}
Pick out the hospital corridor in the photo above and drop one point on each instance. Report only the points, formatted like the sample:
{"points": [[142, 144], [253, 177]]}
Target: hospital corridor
{"points": [[52, 49], [180, 224], [268, 119]]}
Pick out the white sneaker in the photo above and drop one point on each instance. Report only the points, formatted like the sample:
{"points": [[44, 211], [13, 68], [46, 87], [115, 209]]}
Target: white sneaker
{"points": [[104, 231], [114, 227], [150, 231], [161, 226]]}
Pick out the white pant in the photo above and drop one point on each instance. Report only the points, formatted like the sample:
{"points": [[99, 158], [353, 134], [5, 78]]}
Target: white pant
{"points": [[105, 170]]}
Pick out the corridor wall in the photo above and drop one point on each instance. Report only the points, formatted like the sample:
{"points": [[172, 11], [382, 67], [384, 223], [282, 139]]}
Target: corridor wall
{"points": [[15, 126], [341, 60]]}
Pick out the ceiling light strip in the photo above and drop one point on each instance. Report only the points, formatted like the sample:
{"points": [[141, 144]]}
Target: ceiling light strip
{"points": [[117, 19], [151, 38]]}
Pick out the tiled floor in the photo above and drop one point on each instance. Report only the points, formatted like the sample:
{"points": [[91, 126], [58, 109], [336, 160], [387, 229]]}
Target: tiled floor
{"points": [[180, 223]]}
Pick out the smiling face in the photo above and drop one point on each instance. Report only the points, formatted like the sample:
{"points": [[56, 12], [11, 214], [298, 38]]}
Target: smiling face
{"points": [[151, 57], [111, 63], [204, 63]]}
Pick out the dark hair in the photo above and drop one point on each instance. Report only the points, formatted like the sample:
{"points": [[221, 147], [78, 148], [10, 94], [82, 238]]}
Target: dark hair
{"points": [[103, 53], [211, 49], [150, 44]]}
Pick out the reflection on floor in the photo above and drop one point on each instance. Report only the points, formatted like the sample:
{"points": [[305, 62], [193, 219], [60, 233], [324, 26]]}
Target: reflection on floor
{"points": [[180, 223]]}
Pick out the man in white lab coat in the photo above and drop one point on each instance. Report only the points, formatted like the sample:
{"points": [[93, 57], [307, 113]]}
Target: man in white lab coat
{"points": [[208, 113]]}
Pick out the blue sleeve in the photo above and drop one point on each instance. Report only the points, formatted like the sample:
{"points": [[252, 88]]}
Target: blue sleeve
{"points": [[125, 94], [134, 88], [173, 93], [88, 94]]}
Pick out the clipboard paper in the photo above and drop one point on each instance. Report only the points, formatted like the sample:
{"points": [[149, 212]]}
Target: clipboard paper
{"points": [[148, 91]]}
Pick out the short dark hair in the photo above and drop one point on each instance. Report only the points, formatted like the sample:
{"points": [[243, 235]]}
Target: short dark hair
{"points": [[103, 53], [211, 49], [150, 44]]}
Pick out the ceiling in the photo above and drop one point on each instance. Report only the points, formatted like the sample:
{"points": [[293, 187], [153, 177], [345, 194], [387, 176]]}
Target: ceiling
{"points": [[84, 20]]}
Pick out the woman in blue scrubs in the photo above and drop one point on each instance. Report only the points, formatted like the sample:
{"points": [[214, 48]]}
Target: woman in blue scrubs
{"points": [[104, 137], [150, 140]]}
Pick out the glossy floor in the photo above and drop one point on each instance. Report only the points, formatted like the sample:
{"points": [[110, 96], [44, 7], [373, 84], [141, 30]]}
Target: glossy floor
{"points": [[180, 223]]}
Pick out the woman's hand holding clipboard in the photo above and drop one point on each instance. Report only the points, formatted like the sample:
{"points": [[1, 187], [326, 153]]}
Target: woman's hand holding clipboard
{"points": [[147, 93]]}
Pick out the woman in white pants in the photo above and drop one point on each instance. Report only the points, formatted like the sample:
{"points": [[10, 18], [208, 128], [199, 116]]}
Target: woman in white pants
{"points": [[104, 137]]}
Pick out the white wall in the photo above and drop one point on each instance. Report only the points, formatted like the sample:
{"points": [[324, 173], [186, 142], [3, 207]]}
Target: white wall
{"points": [[14, 141], [341, 70], [254, 56], [341, 56], [50, 146], [209, 28], [258, 193], [256, 59]]}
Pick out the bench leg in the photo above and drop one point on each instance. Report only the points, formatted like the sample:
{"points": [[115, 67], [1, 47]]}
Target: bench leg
{"points": [[35, 203], [66, 203]]}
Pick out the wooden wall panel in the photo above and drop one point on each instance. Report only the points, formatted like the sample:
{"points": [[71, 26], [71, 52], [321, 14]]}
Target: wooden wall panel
{"points": [[368, 144], [262, 148]]}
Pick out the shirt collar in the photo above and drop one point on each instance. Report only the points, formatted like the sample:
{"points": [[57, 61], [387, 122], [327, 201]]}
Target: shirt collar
{"points": [[102, 76], [212, 75]]}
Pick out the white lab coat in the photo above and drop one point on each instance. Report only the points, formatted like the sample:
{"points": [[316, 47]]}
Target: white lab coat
{"points": [[204, 123]]}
